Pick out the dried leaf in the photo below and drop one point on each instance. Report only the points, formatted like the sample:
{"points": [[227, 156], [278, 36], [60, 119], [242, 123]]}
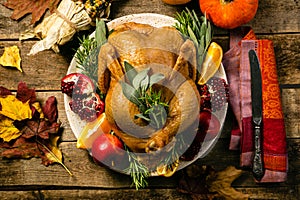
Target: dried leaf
{"points": [[203, 182], [26, 131], [50, 109], [37, 111], [39, 139], [193, 181], [37, 128], [11, 58], [14, 109], [21, 148], [4, 92], [8, 131], [54, 154], [221, 183], [25, 94], [36, 7]]}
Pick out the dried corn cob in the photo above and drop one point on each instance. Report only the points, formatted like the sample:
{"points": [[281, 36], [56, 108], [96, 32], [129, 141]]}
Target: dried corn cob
{"points": [[98, 8]]}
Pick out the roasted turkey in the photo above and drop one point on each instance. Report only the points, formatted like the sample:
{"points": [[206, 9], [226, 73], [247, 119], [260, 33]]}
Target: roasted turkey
{"points": [[164, 51]]}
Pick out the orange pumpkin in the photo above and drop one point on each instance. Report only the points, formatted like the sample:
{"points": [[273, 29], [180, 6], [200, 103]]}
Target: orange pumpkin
{"points": [[229, 14]]}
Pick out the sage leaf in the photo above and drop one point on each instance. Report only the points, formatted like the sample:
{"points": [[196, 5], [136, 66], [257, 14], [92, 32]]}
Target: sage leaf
{"points": [[142, 75], [101, 33], [208, 36], [130, 71], [203, 29], [192, 35], [144, 85], [155, 78], [130, 93]]}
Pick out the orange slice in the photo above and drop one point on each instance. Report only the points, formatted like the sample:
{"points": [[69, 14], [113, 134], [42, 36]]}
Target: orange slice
{"points": [[167, 170], [91, 131], [211, 63]]}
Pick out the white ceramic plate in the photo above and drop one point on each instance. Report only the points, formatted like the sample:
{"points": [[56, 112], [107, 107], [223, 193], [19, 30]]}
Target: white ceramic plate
{"points": [[155, 20]]}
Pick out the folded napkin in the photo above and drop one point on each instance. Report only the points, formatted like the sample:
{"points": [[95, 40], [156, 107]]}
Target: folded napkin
{"points": [[237, 67]]}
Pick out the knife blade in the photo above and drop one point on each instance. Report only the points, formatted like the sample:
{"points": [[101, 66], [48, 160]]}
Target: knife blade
{"points": [[256, 98]]}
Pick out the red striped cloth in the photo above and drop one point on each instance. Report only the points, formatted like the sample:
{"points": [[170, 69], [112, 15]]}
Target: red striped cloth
{"points": [[237, 67]]}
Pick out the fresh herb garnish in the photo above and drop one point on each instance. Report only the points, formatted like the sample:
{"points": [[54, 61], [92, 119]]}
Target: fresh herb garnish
{"points": [[87, 54], [198, 30], [138, 171], [140, 92]]}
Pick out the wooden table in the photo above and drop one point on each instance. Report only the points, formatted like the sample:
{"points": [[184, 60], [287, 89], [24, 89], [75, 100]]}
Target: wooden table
{"points": [[29, 179]]}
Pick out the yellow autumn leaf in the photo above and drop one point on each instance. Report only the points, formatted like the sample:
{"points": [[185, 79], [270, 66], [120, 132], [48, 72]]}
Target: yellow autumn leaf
{"points": [[14, 108], [221, 181], [38, 108], [8, 131], [11, 58], [54, 154]]}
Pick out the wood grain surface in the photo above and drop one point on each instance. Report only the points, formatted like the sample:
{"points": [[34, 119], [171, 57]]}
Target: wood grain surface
{"points": [[28, 179]]}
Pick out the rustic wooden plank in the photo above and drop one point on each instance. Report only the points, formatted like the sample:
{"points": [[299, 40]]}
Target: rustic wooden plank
{"points": [[44, 74], [19, 173], [290, 105], [154, 194], [42, 71], [263, 22], [30, 195], [291, 109], [86, 173], [10, 29], [287, 52], [263, 193]]}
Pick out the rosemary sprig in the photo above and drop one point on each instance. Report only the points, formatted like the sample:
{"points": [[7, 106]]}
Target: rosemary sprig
{"points": [[87, 45], [87, 54], [177, 150], [138, 171], [198, 30]]}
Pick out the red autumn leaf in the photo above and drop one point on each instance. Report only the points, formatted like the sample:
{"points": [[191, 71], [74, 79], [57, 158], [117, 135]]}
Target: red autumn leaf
{"points": [[39, 137], [4, 91], [21, 148], [50, 109], [37, 128], [24, 93], [28, 148], [39, 132], [36, 7]]}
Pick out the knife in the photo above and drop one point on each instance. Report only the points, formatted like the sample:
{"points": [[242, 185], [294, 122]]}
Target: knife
{"points": [[256, 98]]}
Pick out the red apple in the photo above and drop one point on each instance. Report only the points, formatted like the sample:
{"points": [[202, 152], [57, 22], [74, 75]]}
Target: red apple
{"points": [[108, 150]]}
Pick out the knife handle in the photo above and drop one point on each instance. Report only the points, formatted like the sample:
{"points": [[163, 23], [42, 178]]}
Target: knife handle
{"points": [[258, 168]]}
